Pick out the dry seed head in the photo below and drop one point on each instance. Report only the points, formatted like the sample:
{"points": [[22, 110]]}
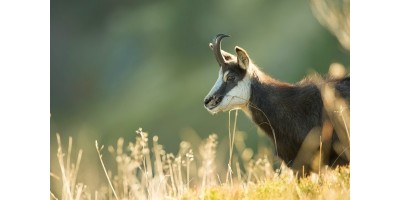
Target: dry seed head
{"points": [[178, 159], [142, 134], [136, 152], [146, 151], [184, 145], [162, 151], [170, 158], [118, 159], [190, 155], [251, 164], [208, 150], [120, 144], [247, 154], [259, 162], [111, 149]]}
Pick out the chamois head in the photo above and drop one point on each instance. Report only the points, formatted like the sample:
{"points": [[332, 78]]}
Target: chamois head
{"points": [[232, 88]]}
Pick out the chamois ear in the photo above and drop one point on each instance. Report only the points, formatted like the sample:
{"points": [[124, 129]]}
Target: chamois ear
{"points": [[226, 55], [242, 58]]}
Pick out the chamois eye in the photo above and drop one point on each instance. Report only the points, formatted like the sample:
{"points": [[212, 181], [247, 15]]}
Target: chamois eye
{"points": [[230, 78]]}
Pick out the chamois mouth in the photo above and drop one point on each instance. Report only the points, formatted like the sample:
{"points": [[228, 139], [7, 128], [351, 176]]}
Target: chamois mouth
{"points": [[213, 110], [212, 103]]}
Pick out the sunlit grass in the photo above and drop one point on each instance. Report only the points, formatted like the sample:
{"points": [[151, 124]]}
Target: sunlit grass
{"points": [[146, 171]]}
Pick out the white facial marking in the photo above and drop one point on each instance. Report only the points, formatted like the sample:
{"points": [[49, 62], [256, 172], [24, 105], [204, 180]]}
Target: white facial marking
{"points": [[217, 84], [238, 97], [226, 73]]}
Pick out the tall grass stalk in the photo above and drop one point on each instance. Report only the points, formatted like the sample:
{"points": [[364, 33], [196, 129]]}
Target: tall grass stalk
{"points": [[231, 143], [104, 168], [69, 173]]}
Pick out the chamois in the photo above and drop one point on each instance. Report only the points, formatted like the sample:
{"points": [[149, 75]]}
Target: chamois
{"points": [[298, 117]]}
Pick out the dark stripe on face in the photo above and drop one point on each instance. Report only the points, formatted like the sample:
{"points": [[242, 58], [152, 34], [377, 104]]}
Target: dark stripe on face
{"points": [[233, 70]]}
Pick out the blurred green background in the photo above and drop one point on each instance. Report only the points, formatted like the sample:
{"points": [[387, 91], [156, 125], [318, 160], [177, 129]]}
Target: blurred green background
{"points": [[120, 65]]}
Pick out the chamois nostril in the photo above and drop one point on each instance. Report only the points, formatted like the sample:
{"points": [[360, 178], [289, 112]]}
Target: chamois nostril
{"points": [[206, 101]]}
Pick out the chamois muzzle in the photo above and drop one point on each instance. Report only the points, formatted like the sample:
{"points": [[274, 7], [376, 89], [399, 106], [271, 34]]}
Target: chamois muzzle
{"points": [[212, 101], [216, 45]]}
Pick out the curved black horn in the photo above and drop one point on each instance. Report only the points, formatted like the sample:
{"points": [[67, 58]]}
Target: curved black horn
{"points": [[217, 48]]}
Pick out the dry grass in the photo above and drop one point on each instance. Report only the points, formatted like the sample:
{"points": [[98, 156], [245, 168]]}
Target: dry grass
{"points": [[149, 172]]}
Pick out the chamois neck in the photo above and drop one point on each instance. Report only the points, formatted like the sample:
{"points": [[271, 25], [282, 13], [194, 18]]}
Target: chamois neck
{"points": [[264, 79], [286, 110]]}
